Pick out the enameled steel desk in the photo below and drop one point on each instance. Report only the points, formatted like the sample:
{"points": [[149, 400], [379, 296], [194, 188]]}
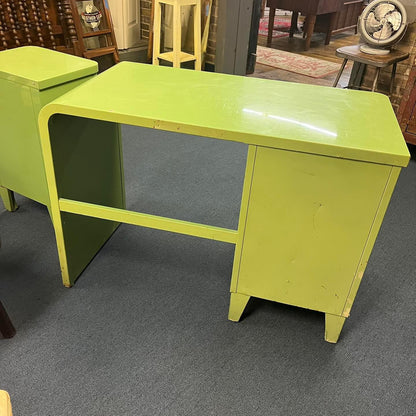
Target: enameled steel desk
{"points": [[317, 184]]}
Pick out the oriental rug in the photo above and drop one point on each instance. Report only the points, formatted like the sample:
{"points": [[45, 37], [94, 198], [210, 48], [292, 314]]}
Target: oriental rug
{"points": [[299, 64], [280, 29]]}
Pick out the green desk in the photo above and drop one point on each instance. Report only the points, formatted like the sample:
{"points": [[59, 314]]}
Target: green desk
{"points": [[317, 184], [31, 77]]}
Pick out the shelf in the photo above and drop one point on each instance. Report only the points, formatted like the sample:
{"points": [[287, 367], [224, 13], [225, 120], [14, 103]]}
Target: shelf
{"points": [[92, 53], [96, 33], [184, 57], [97, 26]]}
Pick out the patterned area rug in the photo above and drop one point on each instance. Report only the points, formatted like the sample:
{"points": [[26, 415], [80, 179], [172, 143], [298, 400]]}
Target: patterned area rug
{"points": [[299, 64], [280, 30]]}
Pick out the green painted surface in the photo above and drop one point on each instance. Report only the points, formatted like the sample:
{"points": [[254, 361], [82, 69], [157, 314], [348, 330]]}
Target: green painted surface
{"points": [[41, 68], [21, 161], [321, 168], [308, 221], [333, 327], [88, 167], [328, 121], [8, 199]]}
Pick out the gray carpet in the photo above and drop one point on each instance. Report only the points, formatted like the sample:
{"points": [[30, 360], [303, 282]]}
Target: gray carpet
{"points": [[145, 332]]}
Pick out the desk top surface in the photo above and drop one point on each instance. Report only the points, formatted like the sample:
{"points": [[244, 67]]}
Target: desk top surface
{"points": [[321, 120]]}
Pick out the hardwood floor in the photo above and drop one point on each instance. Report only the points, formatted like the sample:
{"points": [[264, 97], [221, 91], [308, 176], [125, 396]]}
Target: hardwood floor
{"points": [[317, 50]]}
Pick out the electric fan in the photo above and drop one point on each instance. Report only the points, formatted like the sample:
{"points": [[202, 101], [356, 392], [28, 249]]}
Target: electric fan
{"points": [[382, 24]]}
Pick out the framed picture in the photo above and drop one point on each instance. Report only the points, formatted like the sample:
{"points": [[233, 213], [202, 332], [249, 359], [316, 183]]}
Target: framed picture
{"points": [[92, 15]]}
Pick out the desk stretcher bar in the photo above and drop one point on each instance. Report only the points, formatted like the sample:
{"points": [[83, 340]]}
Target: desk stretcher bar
{"points": [[149, 221]]}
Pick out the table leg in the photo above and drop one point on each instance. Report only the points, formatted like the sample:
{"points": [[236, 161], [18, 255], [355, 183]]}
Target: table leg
{"points": [[393, 74], [330, 28], [197, 35], [293, 24], [177, 35], [238, 302], [340, 72], [310, 24], [376, 79], [263, 6], [272, 13], [157, 24], [8, 199], [333, 327]]}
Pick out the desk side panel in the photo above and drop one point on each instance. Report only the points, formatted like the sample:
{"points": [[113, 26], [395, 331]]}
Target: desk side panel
{"points": [[88, 167], [308, 222], [21, 162], [395, 172]]}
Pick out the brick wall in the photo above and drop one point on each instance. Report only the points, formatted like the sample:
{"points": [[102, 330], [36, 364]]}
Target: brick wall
{"points": [[145, 12], [407, 44], [212, 39]]}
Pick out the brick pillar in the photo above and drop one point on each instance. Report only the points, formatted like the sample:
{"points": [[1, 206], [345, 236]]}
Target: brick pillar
{"points": [[145, 8], [212, 38]]}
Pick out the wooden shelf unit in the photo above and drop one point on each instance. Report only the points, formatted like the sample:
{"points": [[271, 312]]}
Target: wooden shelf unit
{"points": [[99, 41], [56, 24], [45, 23]]}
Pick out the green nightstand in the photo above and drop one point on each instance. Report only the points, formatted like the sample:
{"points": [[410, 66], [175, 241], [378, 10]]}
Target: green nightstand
{"points": [[31, 77]]}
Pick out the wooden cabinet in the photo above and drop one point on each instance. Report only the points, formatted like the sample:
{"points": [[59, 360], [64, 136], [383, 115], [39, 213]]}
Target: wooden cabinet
{"points": [[45, 23], [407, 109], [83, 28], [346, 18]]}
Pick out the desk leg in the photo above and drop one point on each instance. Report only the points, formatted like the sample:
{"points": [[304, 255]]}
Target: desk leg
{"points": [[8, 199], [333, 327], [310, 24], [86, 166], [238, 302], [272, 13]]}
